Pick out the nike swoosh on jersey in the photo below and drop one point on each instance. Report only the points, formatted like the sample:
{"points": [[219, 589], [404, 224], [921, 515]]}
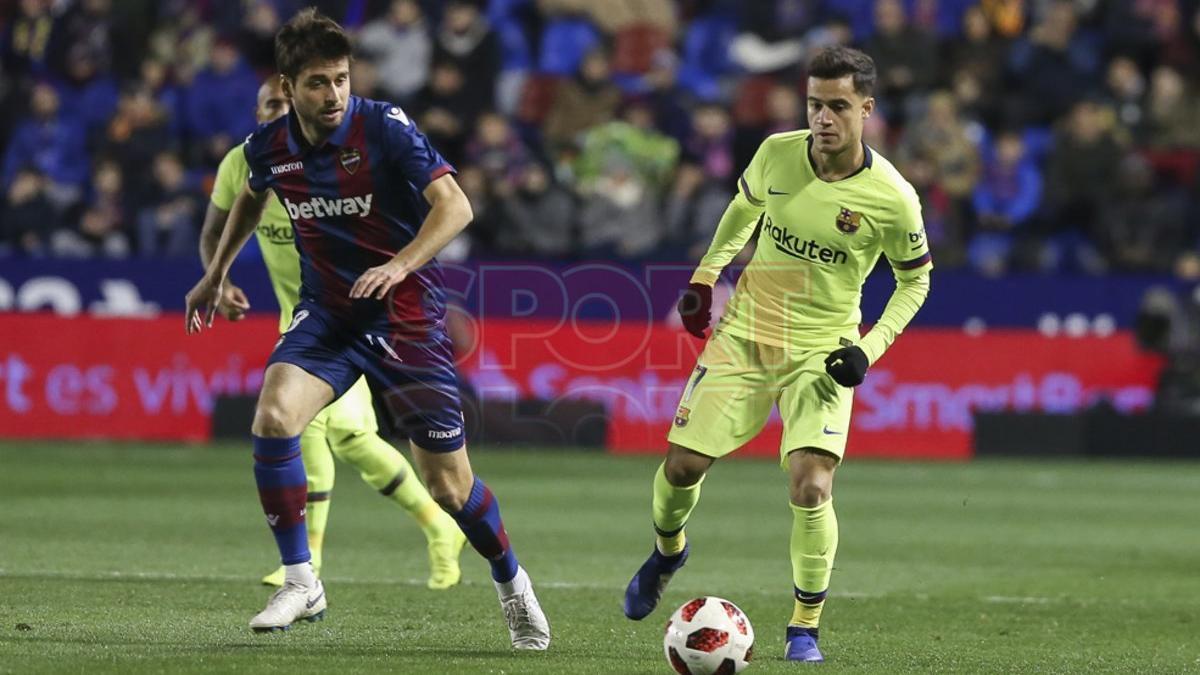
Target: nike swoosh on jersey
{"points": [[827, 432], [773, 191]]}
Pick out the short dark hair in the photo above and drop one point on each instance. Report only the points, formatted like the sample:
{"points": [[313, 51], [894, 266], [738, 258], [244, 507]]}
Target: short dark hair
{"points": [[309, 35], [832, 63]]}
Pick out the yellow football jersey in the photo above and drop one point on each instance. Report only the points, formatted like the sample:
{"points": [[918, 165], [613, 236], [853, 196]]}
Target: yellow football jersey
{"points": [[817, 243], [275, 236]]}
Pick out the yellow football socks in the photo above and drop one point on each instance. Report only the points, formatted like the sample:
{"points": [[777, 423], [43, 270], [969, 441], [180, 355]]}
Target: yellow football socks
{"points": [[814, 545], [672, 506]]}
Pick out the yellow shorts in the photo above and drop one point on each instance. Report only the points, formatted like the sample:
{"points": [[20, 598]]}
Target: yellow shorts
{"points": [[351, 412], [738, 381]]}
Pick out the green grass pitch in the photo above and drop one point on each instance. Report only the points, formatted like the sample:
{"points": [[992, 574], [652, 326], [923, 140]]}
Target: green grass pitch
{"points": [[146, 559]]}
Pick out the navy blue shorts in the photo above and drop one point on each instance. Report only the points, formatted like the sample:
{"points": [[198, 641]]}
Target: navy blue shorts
{"points": [[413, 379]]}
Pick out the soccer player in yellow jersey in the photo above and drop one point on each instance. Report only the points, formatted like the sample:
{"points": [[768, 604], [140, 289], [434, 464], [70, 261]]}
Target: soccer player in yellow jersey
{"points": [[825, 206], [347, 428]]}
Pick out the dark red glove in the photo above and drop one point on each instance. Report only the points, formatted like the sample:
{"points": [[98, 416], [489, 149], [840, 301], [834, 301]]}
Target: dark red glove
{"points": [[695, 309]]}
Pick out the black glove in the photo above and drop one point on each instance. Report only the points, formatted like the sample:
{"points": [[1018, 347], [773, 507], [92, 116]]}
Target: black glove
{"points": [[695, 309], [847, 366]]}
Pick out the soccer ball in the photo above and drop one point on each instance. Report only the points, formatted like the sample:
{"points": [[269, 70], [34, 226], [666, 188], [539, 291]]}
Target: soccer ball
{"points": [[708, 636]]}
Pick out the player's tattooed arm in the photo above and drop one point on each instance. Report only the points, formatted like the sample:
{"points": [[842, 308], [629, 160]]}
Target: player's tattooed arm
{"points": [[204, 298], [234, 304], [449, 214]]}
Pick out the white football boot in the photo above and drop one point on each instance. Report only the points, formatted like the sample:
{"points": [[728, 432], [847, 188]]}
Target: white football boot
{"points": [[527, 625], [291, 603]]}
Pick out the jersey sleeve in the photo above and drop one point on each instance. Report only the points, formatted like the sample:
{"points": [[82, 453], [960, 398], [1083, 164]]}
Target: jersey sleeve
{"points": [[737, 223], [231, 176], [256, 173], [904, 241], [750, 183], [408, 151]]}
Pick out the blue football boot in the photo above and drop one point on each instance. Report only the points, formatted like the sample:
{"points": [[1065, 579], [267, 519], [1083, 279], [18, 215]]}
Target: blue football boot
{"points": [[646, 587], [802, 645]]}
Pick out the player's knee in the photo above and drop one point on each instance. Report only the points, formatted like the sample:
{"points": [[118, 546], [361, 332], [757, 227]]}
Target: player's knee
{"points": [[681, 473], [447, 492], [273, 421], [448, 495], [811, 490]]}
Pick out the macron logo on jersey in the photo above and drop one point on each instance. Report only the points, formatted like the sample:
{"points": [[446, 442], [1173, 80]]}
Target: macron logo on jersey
{"points": [[319, 207], [287, 168]]}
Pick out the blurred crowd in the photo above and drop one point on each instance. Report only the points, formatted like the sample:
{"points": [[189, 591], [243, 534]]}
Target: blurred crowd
{"points": [[1044, 135]]}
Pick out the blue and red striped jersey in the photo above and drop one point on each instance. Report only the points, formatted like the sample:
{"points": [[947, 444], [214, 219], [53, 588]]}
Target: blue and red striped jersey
{"points": [[354, 202]]}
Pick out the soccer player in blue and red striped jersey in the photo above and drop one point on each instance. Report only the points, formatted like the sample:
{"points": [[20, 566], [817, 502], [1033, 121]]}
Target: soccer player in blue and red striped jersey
{"points": [[371, 202]]}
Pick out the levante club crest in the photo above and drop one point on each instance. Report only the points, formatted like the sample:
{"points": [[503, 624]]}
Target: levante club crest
{"points": [[351, 158], [848, 221]]}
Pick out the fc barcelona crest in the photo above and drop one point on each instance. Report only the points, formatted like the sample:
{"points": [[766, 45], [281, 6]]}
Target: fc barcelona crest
{"points": [[351, 158], [681, 417], [848, 221]]}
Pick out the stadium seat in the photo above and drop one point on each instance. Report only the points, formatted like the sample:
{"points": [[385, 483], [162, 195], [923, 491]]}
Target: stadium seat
{"points": [[564, 44], [635, 46], [706, 45], [536, 98], [515, 53], [501, 10], [750, 100]]}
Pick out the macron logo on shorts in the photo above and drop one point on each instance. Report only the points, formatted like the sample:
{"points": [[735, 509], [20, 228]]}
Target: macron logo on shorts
{"points": [[436, 435], [319, 207]]}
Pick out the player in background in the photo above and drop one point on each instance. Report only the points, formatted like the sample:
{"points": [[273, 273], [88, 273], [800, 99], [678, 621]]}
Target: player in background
{"points": [[371, 202], [346, 429], [826, 206]]}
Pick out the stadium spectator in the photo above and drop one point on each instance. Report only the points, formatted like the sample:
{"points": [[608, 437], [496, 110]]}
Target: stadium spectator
{"points": [[538, 214], [26, 41], [587, 100], [768, 39], [974, 65], [1142, 228], [1080, 176], [53, 145], [907, 55], [1139, 28], [938, 153], [670, 101], [87, 25], [216, 102], [28, 218], [88, 95], [444, 110], [1174, 111], [944, 228], [703, 183], [1052, 67], [256, 35], [940, 136], [631, 144], [155, 76], [1126, 90], [442, 60], [135, 135], [167, 219], [497, 151], [1006, 198], [102, 225], [621, 175], [466, 39], [364, 81], [400, 46]]}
